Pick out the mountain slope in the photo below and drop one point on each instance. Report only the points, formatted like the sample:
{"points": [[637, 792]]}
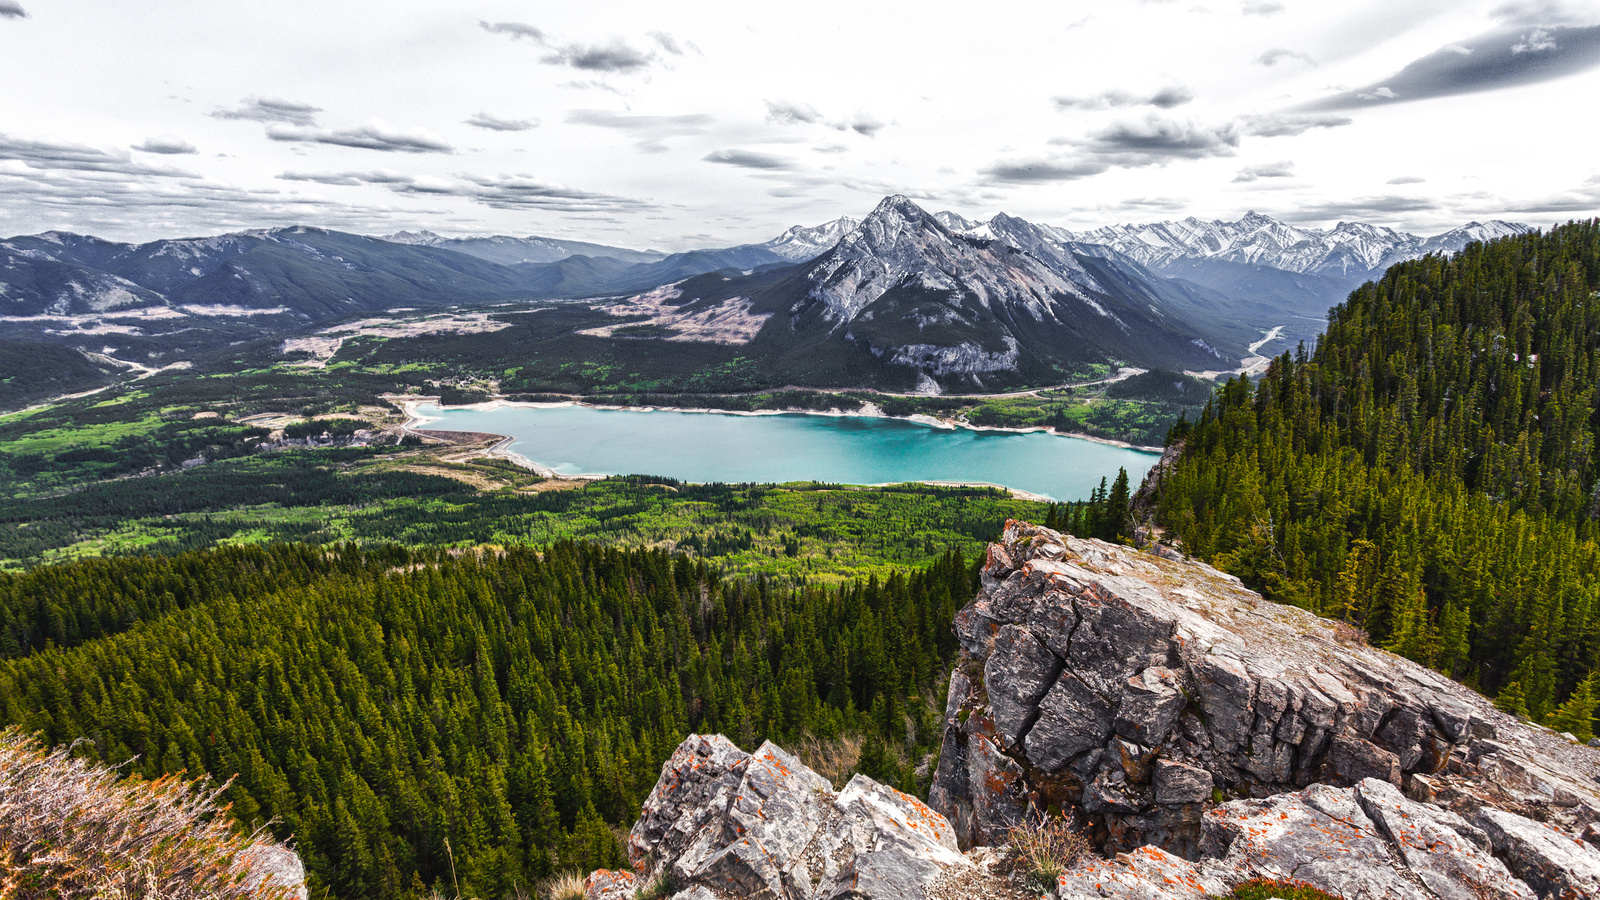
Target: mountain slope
{"points": [[1427, 473], [801, 243], [510, 251], [35, 285], [309, 273], [903, 300]]}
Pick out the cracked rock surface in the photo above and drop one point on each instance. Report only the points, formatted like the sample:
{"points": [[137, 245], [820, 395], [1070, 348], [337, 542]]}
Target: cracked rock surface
{"points": [[726, 824], [1208, 735]]}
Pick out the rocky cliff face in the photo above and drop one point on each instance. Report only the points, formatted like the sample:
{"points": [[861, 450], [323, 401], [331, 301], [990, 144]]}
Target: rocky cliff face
{"points": [[1199, 734], [722, 823], [1209, 733]]}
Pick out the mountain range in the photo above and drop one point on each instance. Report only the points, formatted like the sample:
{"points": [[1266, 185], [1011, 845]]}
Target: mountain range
{"points": [[937, 298]]}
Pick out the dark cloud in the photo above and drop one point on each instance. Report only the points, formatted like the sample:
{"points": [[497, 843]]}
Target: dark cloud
{"points": [[1262, 7], [527, 192], [784, 112], [667, 42], [650, 130], [495, 123], [1509, 57], [1148, 203], [1362, 208], [168, 144], [1154, 140], [376, 136], [866, 124], [11, 9], [1406, 179], [1584, 199], [346, 179], [52, 156], [1157, 139], [1166, 98], [613, 57], [1266, 170], [514, 30], [1044, 170], [271, 109], [749, 159], [1279, 54], [87, 190], [496, 191]]}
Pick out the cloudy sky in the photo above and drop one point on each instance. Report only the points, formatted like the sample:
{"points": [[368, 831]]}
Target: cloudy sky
{"points": [[675, 125]]}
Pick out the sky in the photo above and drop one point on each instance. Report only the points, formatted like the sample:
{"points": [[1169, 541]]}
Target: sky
{"points": [[679, 125]]}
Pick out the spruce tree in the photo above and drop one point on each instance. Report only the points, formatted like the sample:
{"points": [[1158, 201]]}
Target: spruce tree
{"points": [[1114, 521], [1511, 700], [1576, 716]]}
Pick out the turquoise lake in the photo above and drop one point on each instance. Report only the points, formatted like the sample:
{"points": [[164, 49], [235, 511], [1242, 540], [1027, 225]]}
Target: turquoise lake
{"points": [[707, 447]]}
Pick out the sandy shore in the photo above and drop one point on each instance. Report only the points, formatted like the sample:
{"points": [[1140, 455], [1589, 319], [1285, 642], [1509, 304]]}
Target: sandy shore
{"points": [[415, 421]]}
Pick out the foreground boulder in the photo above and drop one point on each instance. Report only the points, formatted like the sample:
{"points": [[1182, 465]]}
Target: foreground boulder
{"points": [[1162, 700], [722, 823]]}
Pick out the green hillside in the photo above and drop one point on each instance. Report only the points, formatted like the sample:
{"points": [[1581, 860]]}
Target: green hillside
{"points": [[390, 708], [1429, 471]]}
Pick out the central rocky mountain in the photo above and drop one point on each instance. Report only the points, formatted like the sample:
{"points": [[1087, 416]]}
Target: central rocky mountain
{"points": [[902, 291]]}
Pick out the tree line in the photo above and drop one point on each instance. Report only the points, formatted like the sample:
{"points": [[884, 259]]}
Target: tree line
{"points": [[1428, 472], [407, 716]]}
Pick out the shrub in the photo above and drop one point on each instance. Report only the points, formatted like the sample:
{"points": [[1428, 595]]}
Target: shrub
{"points": [[70, 828], [567, 886], [1043, 849]]}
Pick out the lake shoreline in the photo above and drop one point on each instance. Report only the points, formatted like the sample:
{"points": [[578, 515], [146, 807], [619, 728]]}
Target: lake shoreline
{"points": [[416, 423], [409, 405]]}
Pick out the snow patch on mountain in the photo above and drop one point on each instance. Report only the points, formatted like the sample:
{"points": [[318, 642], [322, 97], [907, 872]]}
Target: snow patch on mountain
{"points": [[899, 240], [1350, 249], [801, 243]]}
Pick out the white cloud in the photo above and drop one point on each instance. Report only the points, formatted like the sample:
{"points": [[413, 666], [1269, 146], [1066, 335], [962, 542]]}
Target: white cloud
{"points": [[569, 119]]}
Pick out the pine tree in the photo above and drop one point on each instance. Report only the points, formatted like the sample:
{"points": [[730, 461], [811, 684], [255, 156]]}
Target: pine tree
{"points": [[1511, 700], [1114, 521], [1454, 647], [1415, 636], [1576, 716]]}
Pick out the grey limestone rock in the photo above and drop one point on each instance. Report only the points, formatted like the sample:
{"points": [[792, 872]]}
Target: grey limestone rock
{"points": [[1454, 859], [1170, 684], [1019, 671], [1072, 719], [1150, 705], [1179, 783], [1551, 861], [763, 826]]}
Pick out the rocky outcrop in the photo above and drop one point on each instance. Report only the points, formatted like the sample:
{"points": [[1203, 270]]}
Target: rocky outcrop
{"points": [[1201, 735], [1363, 842], [1200, 729], [722, 823]]}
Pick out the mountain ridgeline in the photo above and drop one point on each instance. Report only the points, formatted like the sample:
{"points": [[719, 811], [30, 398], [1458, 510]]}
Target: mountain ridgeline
{"points": [[1429, 471], [900, 299]]}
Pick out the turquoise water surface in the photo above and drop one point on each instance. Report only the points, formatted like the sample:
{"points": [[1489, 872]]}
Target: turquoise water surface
{"points": [[707, 447]]}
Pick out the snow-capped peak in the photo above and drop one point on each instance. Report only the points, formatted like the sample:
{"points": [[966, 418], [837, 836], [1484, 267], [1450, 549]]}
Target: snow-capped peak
{"points": [[808, 242], [424, 238], [901, 243], [1350, 249]]}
